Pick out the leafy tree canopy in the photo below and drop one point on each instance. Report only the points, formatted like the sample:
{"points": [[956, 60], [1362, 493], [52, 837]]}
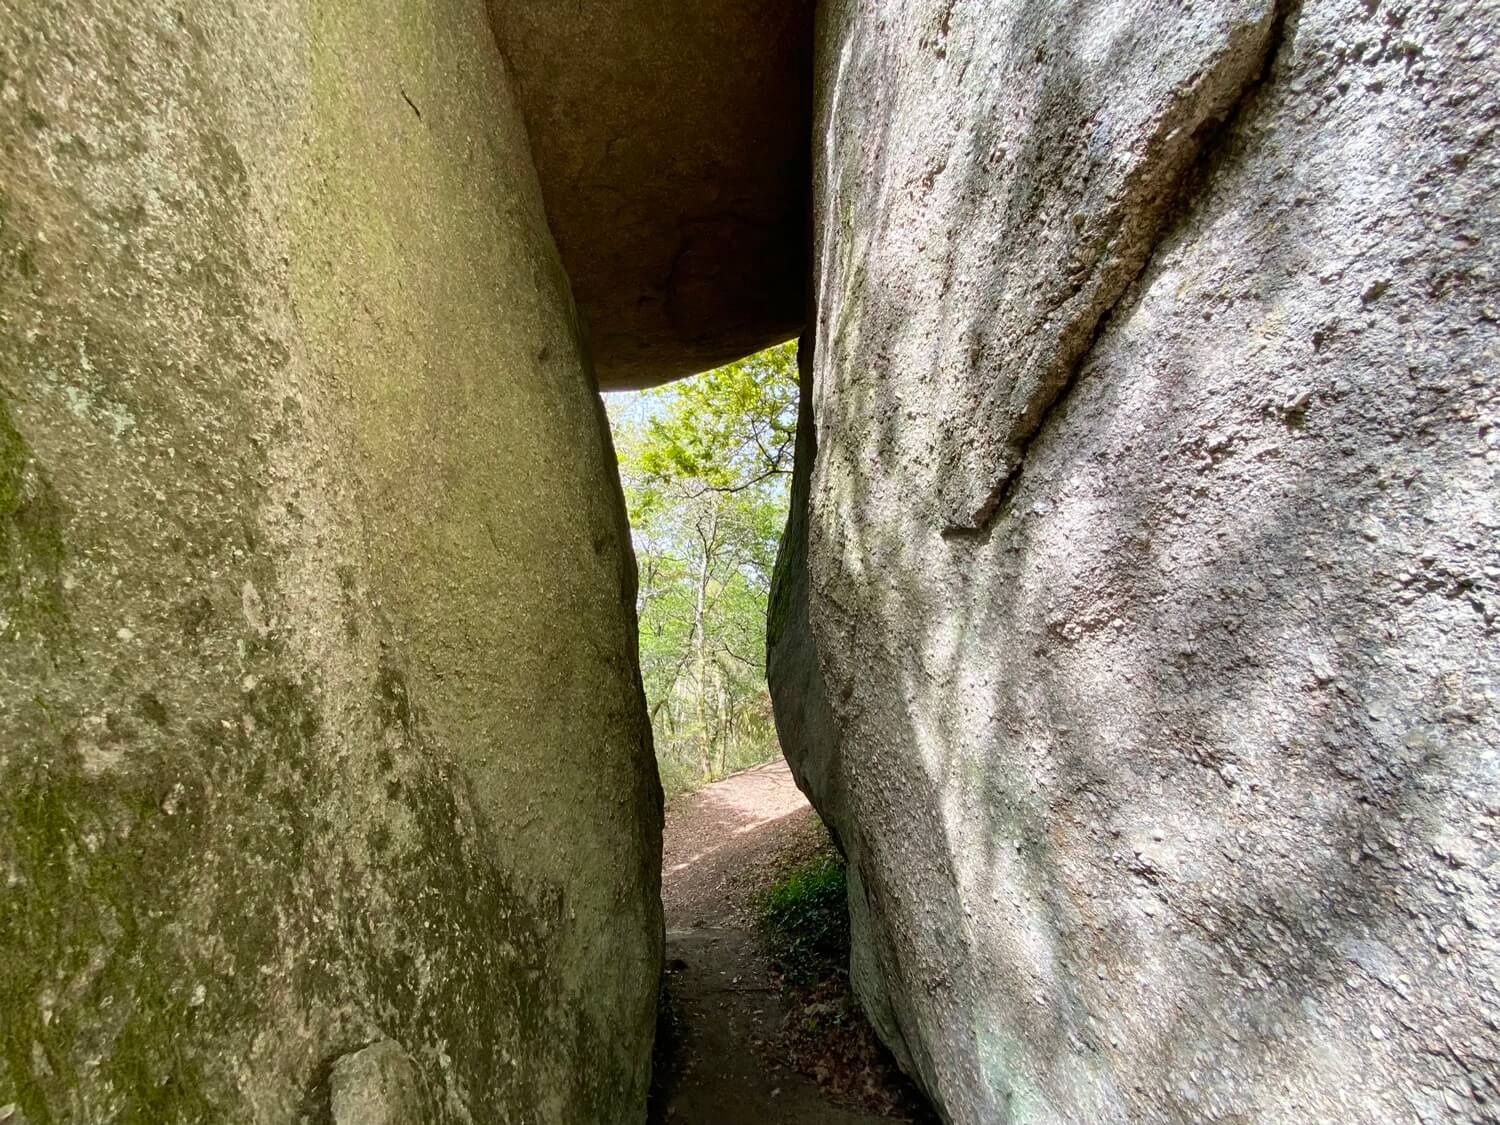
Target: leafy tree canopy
{"points": [[728, 429], [704, 464]]}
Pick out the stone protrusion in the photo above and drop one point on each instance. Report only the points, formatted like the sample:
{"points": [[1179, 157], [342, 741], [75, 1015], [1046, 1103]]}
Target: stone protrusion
{"points": [[377, 1085]]}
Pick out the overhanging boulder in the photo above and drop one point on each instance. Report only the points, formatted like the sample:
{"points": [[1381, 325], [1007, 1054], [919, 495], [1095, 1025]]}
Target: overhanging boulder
{"points": [[671, 139]]}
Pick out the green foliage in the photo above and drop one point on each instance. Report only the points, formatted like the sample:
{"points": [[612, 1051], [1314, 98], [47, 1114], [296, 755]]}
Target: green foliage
{"points": [[727, 429], [705, 464], [805, 919]]}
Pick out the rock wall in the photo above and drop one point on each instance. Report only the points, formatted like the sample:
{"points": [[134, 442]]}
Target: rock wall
{"points": [[1148, 556], [319, 718]]}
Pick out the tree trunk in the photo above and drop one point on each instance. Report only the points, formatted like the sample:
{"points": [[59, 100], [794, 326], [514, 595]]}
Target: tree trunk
{"points": [[723, 720], [700, 652]]}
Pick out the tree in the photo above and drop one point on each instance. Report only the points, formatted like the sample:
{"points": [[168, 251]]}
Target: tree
{"points": [[705, 464]]}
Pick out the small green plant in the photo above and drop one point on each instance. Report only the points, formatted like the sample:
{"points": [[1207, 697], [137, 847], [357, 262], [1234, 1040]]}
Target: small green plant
{"points": [[805, 920]]}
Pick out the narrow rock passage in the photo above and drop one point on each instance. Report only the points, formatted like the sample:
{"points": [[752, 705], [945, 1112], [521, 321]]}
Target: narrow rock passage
{"points": [[721, 845]]}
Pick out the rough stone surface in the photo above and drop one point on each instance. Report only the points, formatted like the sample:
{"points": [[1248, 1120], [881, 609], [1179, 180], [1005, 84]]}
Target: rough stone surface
{"points": [[1150, 552], [377, 1085], [671, 142], [319, 723]]}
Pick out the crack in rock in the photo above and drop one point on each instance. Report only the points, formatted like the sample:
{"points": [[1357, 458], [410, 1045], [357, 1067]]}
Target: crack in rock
{"points": [[1117, 205]]}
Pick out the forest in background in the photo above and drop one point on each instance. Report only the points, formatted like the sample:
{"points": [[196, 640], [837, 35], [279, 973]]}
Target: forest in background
{"points": [[706, 466]]}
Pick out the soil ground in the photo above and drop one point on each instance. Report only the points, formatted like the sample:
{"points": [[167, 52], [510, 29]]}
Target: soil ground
{"points": [[727, 1055]]}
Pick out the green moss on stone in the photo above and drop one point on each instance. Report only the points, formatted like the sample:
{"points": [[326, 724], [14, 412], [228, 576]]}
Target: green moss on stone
{"points": [[113, 1006], [31, 542], [491, 995], [86, 915]]}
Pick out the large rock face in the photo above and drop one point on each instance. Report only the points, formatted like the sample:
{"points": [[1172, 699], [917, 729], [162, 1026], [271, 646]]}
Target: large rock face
{"points": [[671, 142], [319, 723], [1145, 629]]}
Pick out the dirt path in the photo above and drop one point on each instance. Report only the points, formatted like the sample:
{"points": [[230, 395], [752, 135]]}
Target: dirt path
{"points": [[721, 845]]}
